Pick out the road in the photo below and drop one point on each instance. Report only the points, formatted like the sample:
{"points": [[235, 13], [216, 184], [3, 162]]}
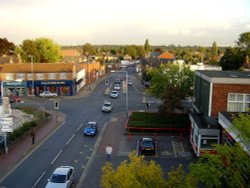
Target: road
{"points": [[67, 145]]}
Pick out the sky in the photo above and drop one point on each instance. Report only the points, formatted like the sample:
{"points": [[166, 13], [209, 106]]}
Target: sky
{"points": [[126, 22]]}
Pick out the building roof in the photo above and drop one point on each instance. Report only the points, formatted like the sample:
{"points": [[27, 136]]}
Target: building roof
{"points": [[70, 53], [38, 68], [166, 55], [225, 77]]}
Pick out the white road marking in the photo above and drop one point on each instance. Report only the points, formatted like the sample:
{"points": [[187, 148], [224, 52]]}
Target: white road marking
{"points": [[39, 179], [79, 127], [70, 139], [56, 156]]}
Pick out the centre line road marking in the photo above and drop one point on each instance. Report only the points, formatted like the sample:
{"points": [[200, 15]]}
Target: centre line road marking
{"points": [[39, 179], [79, 127], [56, 157], [70, 139]]}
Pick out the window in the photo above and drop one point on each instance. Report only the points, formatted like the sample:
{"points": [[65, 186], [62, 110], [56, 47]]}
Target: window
{"points": [[63, 76], [9, 76], [52, 76], [238, 102], [20, 76], [40, 76], [209, 141]]}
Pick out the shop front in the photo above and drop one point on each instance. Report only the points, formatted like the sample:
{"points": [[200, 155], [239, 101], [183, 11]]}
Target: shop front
{"points": [[14, 88], [61, 87]]}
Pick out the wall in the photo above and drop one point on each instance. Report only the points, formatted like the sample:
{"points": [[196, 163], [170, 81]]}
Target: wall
{"points": [[220, 92]]}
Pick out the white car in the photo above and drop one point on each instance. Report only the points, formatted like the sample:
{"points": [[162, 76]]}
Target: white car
{"points": [[117, 87], [48, 94], [62, 177], [107, 106], [114, 94]]}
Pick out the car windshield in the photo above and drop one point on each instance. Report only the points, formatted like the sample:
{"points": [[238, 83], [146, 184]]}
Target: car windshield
{"points": [[106, 104], [147, 143], [58, 178]]}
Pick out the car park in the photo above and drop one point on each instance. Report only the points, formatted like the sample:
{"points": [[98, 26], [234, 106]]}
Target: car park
{"points": [[48, 94], [62, 177], [90, 129], [107, 106], [147, 146], [114, 94], [117, 87]]}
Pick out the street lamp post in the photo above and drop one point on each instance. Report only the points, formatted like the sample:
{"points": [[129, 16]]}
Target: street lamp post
{"points": [[32, 72]]}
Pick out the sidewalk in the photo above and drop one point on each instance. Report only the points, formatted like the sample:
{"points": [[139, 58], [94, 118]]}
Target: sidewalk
{"points": [[22, 148]]}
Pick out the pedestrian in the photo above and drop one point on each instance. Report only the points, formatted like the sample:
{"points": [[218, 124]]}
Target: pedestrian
{"points": [[33, 135], [147, 104], [108, 151]]}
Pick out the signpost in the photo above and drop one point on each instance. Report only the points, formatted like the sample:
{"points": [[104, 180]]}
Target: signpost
{"points": [[6, 124]]}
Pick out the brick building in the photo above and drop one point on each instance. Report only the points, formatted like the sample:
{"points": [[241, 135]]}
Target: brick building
{"points": [[215, 92]]}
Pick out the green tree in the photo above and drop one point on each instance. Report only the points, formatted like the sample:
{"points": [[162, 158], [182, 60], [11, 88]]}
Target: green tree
{"points": [[6, 47], [178, 178], [49, 52], [244, 40], [43, 50], [28, 49], [136, 173], [214, 50], [88, 49], [232, 60], [147, 46], [169, 79], [173, 75], [230, 166], [242, 124]]}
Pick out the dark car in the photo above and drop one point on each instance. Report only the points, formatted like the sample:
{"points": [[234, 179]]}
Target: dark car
{"points": [[147, 146], [13, 99], [90, 129]]}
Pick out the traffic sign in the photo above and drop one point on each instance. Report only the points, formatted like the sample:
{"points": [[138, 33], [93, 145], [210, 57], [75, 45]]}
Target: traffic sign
{"points": [[6, 128], [56, 105], [6, 121]]}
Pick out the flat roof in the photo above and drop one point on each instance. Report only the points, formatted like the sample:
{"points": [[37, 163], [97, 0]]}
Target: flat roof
{"points": [[231, 77]]}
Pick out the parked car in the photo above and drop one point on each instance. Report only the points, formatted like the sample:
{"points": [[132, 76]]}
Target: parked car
{"points": [[90, 129], [117, 87], [107, 106], [114, 94], [117, 81], [63, 176], [13, 99], [147, 146], [130, 83], [48, 94]]}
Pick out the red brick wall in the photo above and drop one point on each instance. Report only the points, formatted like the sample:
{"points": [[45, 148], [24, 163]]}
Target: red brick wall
{"points": [[220, 93]]}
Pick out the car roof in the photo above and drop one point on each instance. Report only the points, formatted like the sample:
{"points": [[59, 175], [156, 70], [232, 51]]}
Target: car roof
{"points": [[63, 170], [147, 139], [107, 102], [91, 123]]}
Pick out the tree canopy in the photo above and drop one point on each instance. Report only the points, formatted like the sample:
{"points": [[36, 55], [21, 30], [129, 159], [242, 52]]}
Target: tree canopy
{"points": [[232, 60], [6, 47], [42, 50], [230, 166], [136, 173]]}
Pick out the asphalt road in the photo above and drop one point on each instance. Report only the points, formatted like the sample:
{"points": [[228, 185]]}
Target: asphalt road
{"points": [[67, 145]]}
